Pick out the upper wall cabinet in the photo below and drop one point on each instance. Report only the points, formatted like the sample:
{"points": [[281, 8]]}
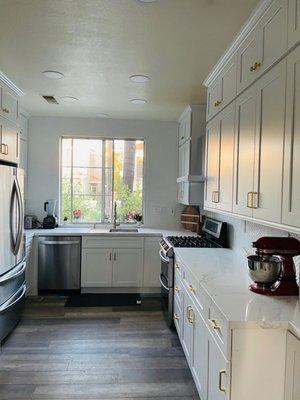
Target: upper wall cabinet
{"points": [[9, 104], [291, 181], [9, 142], [264, 45], [222, 89], [191, 149], [294, 22], [219, 160]]}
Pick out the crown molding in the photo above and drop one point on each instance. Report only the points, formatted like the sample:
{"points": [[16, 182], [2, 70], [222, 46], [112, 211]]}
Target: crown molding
{"points": [[191, 107], [247, 27], [10, 84]]}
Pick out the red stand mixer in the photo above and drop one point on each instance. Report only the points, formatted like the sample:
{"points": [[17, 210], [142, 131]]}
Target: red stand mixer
{"points": [[272, 268]]}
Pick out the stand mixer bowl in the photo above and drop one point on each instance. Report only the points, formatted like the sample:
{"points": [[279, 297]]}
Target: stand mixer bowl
{"points": [[265, 269]]}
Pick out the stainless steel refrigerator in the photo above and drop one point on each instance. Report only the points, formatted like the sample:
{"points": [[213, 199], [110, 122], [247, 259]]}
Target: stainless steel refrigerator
{"points": [[12, 248]]}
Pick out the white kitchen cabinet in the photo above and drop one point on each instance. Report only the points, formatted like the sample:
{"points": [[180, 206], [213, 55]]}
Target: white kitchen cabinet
{"points": [[178, 318], [293, 22], [96, 267], [151, 262], [9, 142], [218, 379], [219, 160], [291, 177], [292, 381], [191, 155], [263, 45], [270, 118], [127, 267], [223, 88], [9, 103], [187, 327]]}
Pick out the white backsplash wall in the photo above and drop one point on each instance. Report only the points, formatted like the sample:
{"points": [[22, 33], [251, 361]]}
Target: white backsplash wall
{"points": [[242, 233], [161, 161]]}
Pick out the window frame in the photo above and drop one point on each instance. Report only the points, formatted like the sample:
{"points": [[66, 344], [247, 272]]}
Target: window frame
{"points": [[103, 139]]}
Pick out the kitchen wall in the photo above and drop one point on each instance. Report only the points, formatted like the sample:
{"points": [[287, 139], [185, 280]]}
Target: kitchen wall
{"points": [[243, 233], [161, 209]]}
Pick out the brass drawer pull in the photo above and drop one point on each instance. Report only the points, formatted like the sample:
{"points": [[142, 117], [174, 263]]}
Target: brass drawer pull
{"points": [[255, 66], [177, 289], [192, 289], [249, 200], [4, 149], [190, 314], [254, 199], [215, 196], [176, 316], [214, 324], [6, 110], [217, 103], [221, 373], [177, 266]]}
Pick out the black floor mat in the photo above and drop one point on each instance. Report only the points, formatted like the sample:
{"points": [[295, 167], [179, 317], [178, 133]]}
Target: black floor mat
{"points": [[104, 300]]}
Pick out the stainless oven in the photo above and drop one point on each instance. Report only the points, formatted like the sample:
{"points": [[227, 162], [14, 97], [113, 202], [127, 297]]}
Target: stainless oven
{"points": [[167, 285]]}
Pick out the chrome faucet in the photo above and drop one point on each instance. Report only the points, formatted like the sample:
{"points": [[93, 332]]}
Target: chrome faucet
{"points": [[115, 224]]}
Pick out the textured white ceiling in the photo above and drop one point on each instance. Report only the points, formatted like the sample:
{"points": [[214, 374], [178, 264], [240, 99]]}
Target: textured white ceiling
{"points": [[98, 44]]}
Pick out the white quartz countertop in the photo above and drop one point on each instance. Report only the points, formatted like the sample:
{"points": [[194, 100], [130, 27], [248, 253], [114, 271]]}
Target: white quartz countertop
{"points": [[70, 231], [223, 274]]}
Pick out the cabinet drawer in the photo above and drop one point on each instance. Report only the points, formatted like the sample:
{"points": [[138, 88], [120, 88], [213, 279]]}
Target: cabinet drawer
{"points": [[178, 289], [112, 242], [178, 317], [219, 327], [196, 292]]}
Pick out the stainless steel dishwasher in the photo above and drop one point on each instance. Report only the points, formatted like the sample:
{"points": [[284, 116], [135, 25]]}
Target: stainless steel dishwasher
{"points": [[59, 262]]}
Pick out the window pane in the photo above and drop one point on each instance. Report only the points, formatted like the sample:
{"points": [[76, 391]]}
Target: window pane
{"points": [[86, 208], [108, 209], [128, 179], [87, 153], [66, 152], [87, 181], [109, 148]]}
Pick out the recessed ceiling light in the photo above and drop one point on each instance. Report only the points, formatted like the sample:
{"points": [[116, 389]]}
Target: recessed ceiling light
{"points": [[138, 101], [139, 78], [53, 74], [102, 115], [147, 1], [69, 99]]}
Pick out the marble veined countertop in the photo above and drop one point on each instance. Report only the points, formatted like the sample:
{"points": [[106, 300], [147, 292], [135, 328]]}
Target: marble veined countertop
{"points": [[223, 274], [77, 231]]}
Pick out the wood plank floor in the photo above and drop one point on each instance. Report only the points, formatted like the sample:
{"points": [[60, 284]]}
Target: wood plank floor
{"points": [[93, 353]]}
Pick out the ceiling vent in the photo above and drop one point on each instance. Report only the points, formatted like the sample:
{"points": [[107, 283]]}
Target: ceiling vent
{"points": [[50, 99]]}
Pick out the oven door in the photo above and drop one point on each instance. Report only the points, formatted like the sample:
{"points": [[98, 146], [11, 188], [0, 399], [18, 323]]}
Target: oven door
{"points": [[166, 283]]}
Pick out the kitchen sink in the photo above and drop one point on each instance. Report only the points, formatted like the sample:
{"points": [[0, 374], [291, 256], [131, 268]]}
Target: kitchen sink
{"points": [[130, 230]]}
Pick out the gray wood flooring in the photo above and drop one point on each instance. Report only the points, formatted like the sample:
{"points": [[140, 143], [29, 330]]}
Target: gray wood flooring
{"points": [[92, 353]]}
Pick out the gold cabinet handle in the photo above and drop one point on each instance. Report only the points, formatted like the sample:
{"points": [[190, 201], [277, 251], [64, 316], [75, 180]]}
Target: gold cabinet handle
{"points": [[190, 314], [217, 103], [177, 266], [176, 316], [221, 373], [215, 196], [249, 199], [6, 110], [192, 289], [4, 149], [255, 66], [214, 324], [176, 289], [255, 200]]}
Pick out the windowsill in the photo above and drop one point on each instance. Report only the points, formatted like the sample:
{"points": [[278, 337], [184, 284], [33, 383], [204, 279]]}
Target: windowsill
{"points": [[99, 225]]}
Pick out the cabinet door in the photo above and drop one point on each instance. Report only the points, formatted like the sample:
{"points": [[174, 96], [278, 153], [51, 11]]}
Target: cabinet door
{"points": [[151, 262], [127, 267], [185, 127], [227, 122], [200, 354], [212, 163], [292, 372], [293, 22], [214, 97], [96, 268], [244, 151], [291, 177], [178, 318], [269, 144], [187, 327], [247, 55], [10, 105], [9, 149], [184, 159], [218, 370], [272, 30]]}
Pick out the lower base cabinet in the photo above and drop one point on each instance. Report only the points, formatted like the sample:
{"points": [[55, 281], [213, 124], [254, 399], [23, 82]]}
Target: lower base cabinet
{"points": [[96, 268], [127, 267]]}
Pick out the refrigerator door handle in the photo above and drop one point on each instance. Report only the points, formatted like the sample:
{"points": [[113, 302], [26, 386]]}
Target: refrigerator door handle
{"points": [[16, 239], [20, 219]]}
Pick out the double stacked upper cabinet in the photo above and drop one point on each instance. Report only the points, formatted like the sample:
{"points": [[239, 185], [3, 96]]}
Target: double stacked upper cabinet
{"points": [[259, 147]]}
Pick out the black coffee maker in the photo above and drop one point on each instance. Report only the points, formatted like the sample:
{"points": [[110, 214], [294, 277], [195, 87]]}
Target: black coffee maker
{"points": [[50, 221]]}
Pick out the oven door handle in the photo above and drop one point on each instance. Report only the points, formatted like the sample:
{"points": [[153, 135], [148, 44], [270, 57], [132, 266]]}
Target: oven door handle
{"points": [[162, 284], [166, 260]]}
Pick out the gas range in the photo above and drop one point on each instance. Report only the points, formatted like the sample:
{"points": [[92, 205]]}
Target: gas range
{"points": [[213, 235]]}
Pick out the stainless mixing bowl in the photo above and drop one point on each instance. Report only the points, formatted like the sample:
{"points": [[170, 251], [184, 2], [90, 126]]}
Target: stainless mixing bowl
{"points": [[265, 269]]}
